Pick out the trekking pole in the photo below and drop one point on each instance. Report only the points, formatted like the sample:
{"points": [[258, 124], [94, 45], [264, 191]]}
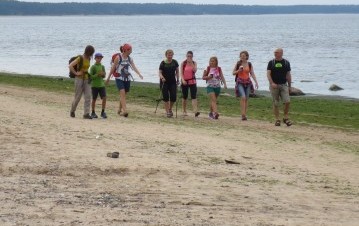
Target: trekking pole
{"points": [[176, 99], [160, 98]]}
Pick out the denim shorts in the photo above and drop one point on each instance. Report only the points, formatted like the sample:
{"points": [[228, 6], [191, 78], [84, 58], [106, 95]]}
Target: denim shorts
{"points": [[123, 85], [244, 90]]}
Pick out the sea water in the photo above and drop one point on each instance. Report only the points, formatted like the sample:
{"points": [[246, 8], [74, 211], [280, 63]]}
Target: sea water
{"points": [[322, 49]]}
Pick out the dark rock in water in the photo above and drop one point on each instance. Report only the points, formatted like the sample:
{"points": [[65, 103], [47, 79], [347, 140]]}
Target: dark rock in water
{"points": [[335, 88], [296, 92], [306, 81]]}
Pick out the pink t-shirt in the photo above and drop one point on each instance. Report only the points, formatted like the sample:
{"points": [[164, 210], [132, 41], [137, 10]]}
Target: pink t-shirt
{"points": [[188, 75]]}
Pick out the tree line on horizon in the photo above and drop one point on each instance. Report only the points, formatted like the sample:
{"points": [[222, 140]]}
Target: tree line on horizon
{"points": [[13, 7]]}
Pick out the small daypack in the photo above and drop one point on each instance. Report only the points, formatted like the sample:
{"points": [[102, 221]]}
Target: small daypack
{"points": [[115, 73], [78, 66]]}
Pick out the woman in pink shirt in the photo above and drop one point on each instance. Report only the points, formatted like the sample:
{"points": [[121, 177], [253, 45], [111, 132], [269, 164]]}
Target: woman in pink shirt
{"points": [[188, 77]]}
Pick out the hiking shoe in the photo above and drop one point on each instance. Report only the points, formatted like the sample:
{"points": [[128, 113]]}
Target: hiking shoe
{"points": [[197, 114], [103, 115], [93, 115], [72, 114], [215, 115], [244, 118], [171, 113], [87, 116], [124, 114], [210, 115]]}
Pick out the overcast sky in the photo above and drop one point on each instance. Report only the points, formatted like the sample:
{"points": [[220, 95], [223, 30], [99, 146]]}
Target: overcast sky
{"points": [[239, 2]]}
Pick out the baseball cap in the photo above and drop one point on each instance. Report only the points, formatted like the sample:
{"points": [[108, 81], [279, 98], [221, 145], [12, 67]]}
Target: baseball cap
{"points": [[98, 55]]}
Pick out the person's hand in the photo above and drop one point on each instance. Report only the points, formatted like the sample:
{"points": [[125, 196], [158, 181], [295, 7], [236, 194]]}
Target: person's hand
{"points": [[79, 73], [225, 86], [290, 90], [274, 86], [256, 86], [101, 74], [141, 77], [163, 79], [107, 81], [178, 82], [184, 82]]}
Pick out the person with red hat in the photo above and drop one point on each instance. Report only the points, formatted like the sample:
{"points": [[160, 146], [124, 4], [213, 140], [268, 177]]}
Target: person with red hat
{"points": [[122, 64]]}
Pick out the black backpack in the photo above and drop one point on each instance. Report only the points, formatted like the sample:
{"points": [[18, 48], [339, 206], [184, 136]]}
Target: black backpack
{"points": [[78, 66]]}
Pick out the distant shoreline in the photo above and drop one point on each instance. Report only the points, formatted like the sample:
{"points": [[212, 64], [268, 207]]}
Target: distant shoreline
{"points": [[12, 8]]}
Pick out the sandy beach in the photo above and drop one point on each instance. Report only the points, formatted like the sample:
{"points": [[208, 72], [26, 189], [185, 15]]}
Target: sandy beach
{"points": [[54, 169]]}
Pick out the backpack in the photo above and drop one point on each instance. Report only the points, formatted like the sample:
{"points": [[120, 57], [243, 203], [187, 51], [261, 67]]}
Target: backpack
{"points": [[115, 73], [78, 66], [184, 66]]}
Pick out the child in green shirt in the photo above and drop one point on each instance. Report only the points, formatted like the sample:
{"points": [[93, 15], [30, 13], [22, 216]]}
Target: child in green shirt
{"points": [[97, 73]]}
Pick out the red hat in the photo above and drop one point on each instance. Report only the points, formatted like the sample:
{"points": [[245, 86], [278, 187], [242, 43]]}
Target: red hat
{"points": [[126, 47]]}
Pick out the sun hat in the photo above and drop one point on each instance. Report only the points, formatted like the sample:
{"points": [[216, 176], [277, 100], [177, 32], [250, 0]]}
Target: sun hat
{"points": [[98, 55]]}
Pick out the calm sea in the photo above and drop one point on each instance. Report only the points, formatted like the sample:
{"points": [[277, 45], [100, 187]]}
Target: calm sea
{"points": [[323, 49]]}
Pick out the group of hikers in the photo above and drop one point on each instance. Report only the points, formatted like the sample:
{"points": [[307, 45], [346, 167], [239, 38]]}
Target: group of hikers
{"points": [[91, 81]]}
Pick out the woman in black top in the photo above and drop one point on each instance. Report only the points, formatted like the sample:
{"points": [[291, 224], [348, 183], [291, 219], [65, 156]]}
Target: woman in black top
{"points": [[169, 79]]}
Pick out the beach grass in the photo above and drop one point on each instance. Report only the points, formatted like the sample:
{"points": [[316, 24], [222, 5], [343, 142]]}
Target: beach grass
{"points": [[314, 110]]}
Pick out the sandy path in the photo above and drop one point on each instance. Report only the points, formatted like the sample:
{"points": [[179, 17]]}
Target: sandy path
{"points": [[171, 171]]}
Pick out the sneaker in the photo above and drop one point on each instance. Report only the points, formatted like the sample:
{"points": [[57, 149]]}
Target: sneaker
{"points": [[103, 114], [210, 115], [197, 114], [93, 115], [72, 114], [216, 115], [171, 113], [87, 116], [244, 118]]}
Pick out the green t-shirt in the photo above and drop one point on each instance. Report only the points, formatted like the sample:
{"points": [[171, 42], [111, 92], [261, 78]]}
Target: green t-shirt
{"points": [[97, 79]]}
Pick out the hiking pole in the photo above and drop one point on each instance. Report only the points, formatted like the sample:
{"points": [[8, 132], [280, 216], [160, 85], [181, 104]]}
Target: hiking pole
{"points": [[160, 98]]}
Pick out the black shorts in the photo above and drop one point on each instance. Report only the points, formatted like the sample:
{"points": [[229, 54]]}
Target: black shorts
{"points": [[96, 91], [169, 92], [192, 88]]}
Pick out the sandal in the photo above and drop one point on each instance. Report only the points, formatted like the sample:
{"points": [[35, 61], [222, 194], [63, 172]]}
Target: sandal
{"points": [[277, 123], [287, 122]]}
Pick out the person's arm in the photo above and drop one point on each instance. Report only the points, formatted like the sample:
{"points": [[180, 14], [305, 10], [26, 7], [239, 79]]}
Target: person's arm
{"points": [[92, 72], [254, 77], [135, 69], [181, 75], [206, 75], [194, 67], [113, 68], [72, 67], [223, 80], [177, 76], [235, 71], [270, 80], [160, 73], [289, 80], [103, 74]]}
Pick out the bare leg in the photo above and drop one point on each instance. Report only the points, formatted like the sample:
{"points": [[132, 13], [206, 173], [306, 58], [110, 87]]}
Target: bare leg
{"points": [[286, 110], [184, 105], [123, 101], [195, 105], [276, 112], [93, 105], [104, 103]]}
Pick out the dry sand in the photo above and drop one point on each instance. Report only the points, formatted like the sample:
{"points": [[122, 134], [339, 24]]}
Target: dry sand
{"points": [[54, 169]]}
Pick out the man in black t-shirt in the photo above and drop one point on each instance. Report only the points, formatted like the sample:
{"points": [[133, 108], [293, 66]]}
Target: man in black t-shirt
{"points": [[280, 80]]}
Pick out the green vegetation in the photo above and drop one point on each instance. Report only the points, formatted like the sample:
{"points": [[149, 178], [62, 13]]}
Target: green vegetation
{"points": [[320, 111]]}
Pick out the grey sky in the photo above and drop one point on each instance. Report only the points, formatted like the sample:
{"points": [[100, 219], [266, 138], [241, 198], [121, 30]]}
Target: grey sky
{"points": [[239, 2]]}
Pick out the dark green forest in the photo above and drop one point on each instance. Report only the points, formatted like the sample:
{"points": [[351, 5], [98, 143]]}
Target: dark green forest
{"points": [[11, 7]]}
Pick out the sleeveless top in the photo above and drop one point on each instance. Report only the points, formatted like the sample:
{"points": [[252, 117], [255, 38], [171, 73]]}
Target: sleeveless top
{"points": [[216, 80], [188, 75]]}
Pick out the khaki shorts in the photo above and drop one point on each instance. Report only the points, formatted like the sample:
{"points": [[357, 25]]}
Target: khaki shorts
{"points": [[281, 92]]}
